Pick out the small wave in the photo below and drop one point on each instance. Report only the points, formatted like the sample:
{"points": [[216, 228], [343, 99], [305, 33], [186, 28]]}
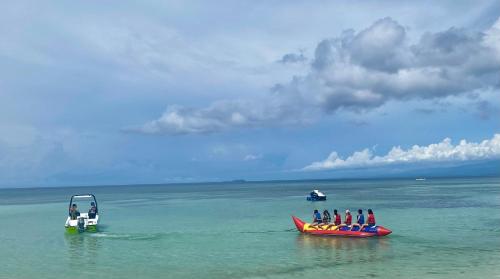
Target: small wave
{"points": [[271, 231], [129, 237]]}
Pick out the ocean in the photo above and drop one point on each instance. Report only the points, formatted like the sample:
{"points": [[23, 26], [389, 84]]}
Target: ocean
{"points": [[442, 228]]}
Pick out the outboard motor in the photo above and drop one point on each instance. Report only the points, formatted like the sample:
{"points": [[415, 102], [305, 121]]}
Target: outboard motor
{"points": [[81, 224]]}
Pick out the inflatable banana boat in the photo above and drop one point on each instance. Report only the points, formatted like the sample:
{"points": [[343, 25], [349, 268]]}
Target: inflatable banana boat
{"points": [[333, 230]]}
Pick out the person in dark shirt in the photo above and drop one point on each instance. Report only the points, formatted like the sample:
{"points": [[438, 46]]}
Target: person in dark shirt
{"points": [[92, 211], [326, 217], [73, 212]]}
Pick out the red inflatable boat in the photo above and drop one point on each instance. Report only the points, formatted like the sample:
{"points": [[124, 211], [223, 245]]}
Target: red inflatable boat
{"points": [[340, 231]]}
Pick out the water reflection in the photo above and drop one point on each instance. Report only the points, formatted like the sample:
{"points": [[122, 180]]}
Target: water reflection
{"points": [[342, 250], [82, 248], [341, 243]]}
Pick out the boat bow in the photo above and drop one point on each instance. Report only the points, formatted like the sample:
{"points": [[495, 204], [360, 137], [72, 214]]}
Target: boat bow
{"points": [[298, 223]]}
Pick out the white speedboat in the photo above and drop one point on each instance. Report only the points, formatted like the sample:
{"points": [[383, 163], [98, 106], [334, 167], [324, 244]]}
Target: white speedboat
{"points": [[78, 222], [316, 195]]}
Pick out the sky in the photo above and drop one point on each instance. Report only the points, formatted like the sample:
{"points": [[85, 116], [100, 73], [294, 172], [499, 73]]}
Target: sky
{"points": [[123, 92]]}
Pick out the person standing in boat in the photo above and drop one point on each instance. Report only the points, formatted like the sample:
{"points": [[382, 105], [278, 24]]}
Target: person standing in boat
{"points": [[360, 219], [327, 218], [371, 220]]}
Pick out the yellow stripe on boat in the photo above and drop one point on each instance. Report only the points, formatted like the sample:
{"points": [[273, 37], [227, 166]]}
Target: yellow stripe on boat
{"points": [[309, 227]]}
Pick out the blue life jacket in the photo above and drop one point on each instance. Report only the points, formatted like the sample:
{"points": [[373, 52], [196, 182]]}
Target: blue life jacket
{"points": [[317, 216], [361, 219]]}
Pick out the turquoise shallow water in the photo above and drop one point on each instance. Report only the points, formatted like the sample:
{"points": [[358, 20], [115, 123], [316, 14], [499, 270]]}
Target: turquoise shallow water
{"points": [[442, 228]]}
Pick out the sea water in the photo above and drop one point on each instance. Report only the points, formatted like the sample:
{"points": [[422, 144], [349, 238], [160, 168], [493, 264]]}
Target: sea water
{"points": [[442, 228]]}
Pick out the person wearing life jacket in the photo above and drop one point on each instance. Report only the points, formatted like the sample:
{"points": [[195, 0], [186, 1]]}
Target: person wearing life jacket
{"points": [[73, 212], [317, 217], [326, 217], [370, 222], [337, 219], [348, 219], [371, 218], [92, 211], [360, 220]]}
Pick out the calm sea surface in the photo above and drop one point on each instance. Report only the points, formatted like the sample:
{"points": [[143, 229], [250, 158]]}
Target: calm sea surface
{"points": [[442, 228]]}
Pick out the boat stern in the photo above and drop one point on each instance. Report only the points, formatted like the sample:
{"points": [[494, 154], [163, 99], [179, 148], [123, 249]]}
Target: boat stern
{"points": [[71, 230], [81, 224], [91, 228]]}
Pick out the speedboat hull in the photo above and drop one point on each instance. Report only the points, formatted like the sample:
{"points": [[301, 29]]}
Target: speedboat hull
{"points": [[82, 224], [316, 198], [332, 230], [76, 229]]}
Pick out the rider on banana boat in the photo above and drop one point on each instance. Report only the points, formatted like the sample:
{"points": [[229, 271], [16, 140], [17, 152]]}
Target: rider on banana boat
{"points": [[337, 220], [371, 220], [316, 218], [326, 217], [347, 220], [360, 219]]}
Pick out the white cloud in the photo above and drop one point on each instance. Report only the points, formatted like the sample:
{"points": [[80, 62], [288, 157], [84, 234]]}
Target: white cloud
{"points": [[223, 115], [252, 157], [492, 38], [443, 151], [356, 72]]}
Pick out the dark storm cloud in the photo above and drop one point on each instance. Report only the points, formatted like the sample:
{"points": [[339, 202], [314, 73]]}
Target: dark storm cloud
{"points": [[292, 58], [357, 72]]}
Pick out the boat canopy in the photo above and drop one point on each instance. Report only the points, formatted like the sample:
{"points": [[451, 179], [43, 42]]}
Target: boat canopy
{"points": [[317, 192], [82, 196]]}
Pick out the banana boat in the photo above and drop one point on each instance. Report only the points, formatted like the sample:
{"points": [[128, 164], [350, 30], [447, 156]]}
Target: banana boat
{"points": [[332, 230]]}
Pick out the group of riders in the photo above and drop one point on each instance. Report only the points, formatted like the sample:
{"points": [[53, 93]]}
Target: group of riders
{"points": [[74, 213], [326, 219]]}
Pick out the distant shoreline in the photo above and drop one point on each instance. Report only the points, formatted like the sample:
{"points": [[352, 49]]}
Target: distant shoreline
{"points": [[244, 181]]}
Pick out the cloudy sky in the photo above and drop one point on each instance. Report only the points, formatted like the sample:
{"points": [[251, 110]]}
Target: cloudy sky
{"points": [[111, 92]]}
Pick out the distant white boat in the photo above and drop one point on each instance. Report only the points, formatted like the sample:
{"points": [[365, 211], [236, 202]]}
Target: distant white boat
{"points": [[316, 195], [420, 179]]}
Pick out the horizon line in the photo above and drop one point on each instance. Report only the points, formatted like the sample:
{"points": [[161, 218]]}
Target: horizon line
{"points": [[243, 181]]}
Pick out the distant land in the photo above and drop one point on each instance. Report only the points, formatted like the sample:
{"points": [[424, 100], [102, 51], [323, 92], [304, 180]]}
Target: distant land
{"points": [[471, 169]]}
